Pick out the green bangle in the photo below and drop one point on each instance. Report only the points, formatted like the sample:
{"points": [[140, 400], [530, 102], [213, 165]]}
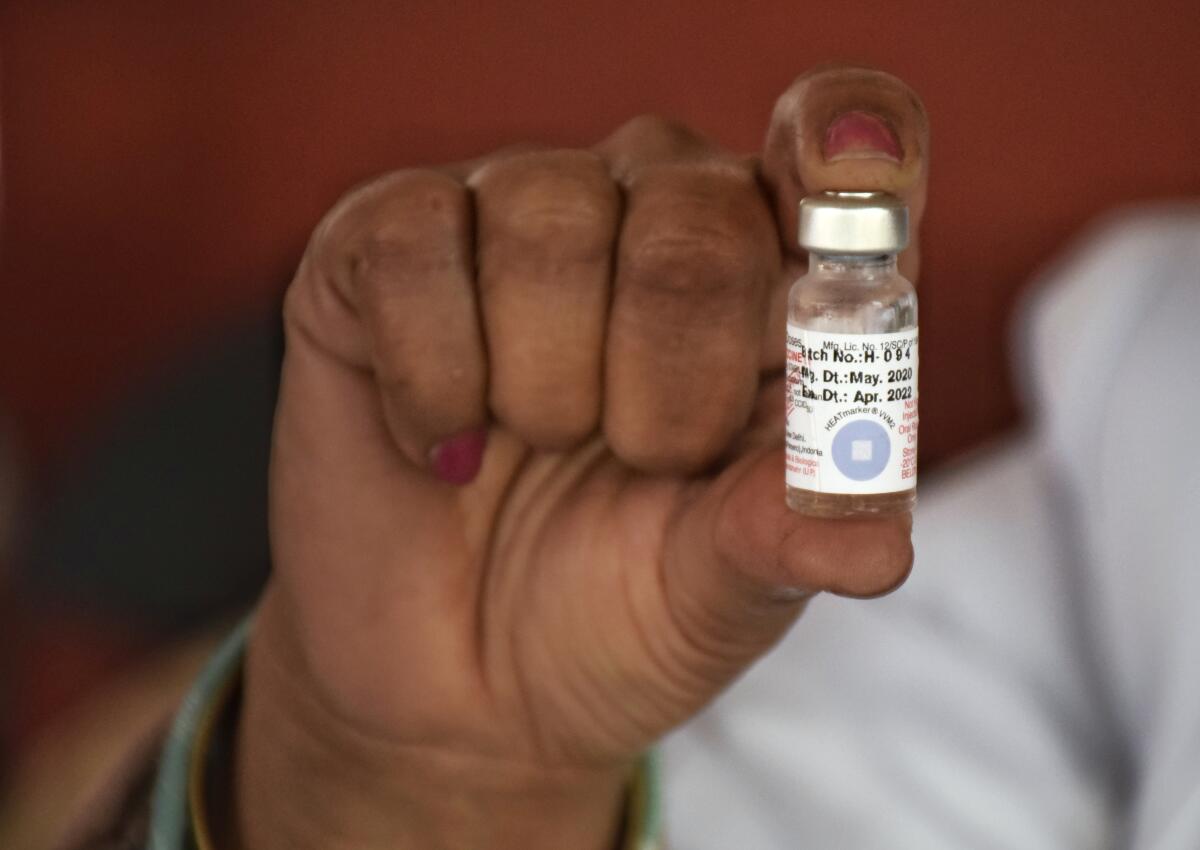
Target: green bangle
{"points": [[170, 815], [643, 829]]}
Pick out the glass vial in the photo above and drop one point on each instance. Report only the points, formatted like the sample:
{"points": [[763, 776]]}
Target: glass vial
{"points": [[852, 361]]}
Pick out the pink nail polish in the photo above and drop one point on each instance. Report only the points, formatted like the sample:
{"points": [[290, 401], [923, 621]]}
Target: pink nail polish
{"points": [[861, 135], [457, 460]]}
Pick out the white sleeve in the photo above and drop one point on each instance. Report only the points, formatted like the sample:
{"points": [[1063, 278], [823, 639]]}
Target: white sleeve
{"points": [[951, 714], [1122, 423]]}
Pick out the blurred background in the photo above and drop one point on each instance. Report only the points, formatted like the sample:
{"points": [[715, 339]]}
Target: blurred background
{"points": [[163, 164]]}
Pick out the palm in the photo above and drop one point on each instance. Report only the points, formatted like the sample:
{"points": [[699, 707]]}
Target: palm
{"points": [[539, 612], [580, 647]]}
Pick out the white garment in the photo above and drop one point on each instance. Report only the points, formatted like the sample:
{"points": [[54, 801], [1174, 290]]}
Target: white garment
{"points": [[1036, 683]]}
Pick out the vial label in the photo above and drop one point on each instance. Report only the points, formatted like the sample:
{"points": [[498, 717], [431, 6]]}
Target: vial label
{"points": [[851, 411]]}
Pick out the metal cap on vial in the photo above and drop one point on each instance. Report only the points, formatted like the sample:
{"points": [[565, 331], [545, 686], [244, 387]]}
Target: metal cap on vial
{"points": [[853, 223]]}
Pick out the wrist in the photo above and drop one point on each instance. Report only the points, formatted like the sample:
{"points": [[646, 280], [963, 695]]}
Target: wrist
{"points": [[306, 779]]}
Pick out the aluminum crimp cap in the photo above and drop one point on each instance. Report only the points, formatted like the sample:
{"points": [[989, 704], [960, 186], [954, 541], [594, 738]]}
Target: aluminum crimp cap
{"points": [[864, 223]]}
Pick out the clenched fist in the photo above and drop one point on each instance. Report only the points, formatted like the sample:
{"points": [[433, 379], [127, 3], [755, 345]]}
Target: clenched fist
{"points": [[527, 505]]}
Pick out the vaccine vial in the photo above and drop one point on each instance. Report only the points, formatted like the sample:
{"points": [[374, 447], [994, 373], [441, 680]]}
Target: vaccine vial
{"points": [[852, 361]]}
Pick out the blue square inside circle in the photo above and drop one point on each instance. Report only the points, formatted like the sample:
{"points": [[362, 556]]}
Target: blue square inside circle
{"points": [[861, 449]]}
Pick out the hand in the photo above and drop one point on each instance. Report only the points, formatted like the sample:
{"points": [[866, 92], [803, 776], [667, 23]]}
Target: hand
{"points": [[527, 505]]}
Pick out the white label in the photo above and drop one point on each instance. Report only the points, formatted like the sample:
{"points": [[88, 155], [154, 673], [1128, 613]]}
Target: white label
{"points": [[851, 411]]}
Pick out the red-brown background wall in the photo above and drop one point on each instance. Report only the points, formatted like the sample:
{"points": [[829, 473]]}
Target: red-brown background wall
{"points": [[165, 161]]}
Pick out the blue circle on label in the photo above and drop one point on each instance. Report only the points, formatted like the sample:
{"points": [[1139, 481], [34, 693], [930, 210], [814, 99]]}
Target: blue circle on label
{"points": [[861, 449]]}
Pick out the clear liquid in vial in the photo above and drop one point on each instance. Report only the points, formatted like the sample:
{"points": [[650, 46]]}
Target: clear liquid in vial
{"points": [[863, 296]]}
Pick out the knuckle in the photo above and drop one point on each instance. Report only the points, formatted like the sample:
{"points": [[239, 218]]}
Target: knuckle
{"points": [[417, 192], [560, 199], [383, 259], [561, 219], [700, 258], [655, 131], [698, 229], [651, 139], [414, 220], [417, 208]]}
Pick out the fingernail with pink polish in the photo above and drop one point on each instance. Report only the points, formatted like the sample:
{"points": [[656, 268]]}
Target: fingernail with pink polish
{"points": [[861, 135], [457, 460]]}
